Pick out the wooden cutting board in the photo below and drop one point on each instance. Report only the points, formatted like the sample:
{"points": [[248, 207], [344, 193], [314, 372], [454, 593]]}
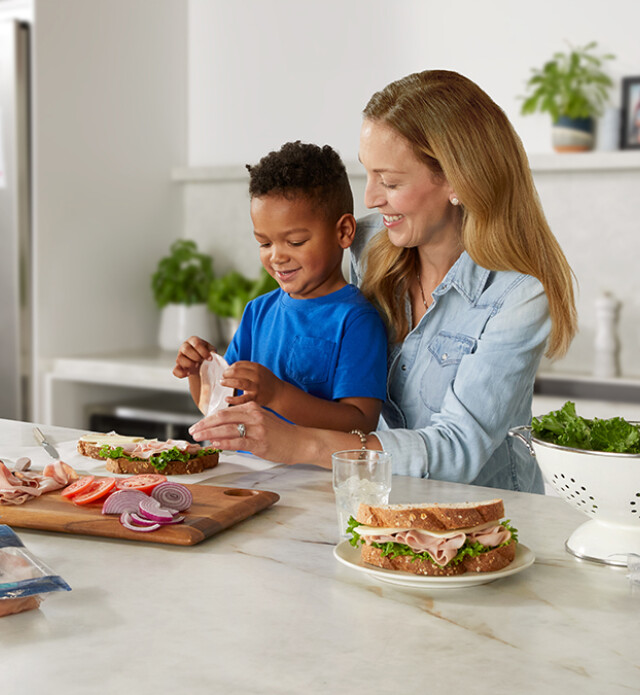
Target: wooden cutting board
{"points": [[213, 509]]}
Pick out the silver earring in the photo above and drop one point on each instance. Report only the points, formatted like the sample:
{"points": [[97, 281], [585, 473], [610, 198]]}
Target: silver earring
{"points": [[455, 201]]}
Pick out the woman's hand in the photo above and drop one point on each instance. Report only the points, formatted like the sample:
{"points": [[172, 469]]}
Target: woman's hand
{"points": [[265, 434], [192, 353], [258, 383]]}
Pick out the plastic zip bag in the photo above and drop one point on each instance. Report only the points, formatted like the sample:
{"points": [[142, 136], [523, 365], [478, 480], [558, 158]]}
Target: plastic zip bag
{"points": [[24, 578], [212, 394]]}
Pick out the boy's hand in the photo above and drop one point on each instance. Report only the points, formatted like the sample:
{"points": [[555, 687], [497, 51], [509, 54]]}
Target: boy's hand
{"points": [[258, 383], [191, 355]]}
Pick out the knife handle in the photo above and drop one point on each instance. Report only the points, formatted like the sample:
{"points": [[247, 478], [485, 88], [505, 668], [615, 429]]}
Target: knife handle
{"points": [[38, 435]]}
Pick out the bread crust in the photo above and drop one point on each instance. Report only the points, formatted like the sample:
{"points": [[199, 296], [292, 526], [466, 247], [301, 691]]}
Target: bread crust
{"points": [[491, 561], [92, 449], [405, 563], [194, 465], [432, 517]]}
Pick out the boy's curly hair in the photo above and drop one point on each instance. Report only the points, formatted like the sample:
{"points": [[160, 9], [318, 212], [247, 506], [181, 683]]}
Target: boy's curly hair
{"points": [[304, 170]]}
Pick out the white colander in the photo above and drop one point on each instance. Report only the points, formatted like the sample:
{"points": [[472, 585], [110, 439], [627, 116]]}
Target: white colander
{"points": [[604, 486]]}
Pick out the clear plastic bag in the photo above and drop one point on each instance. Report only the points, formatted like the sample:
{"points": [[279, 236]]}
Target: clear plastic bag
{"points": [[24, 579], [212, 394]]}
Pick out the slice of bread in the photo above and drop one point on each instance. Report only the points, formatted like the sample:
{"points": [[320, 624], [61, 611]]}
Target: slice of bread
{"points": [[405, 563], [90, 444], [431, 517], [197, 464], [491, 561]]}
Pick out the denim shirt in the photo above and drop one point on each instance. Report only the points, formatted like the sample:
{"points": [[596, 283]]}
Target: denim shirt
{"points": [[464, 376]]}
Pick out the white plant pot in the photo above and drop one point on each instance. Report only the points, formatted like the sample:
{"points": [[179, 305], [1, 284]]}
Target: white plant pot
{"points": [[179, 322], [228, 327]]}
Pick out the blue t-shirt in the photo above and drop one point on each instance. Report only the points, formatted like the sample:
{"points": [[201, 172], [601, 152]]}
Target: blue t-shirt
{"points": [[331, 347]]}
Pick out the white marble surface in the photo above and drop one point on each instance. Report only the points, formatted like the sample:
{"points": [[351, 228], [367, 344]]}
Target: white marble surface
{"points": [[265, 608]]}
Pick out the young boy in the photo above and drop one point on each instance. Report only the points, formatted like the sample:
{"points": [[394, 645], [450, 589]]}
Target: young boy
{"points": [[315, 350]]}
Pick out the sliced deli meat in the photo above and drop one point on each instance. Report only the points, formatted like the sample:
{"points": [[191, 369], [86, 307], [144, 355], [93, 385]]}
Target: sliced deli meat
{"points": [[19, 486]]}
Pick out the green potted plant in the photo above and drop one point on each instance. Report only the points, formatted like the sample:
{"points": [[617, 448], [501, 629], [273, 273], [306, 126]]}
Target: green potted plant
{"points": [[180, 288], [573, 88], [230, 294]]}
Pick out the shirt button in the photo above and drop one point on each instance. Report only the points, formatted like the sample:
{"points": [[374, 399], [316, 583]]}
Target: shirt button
{"points": [[404, 367], [444, 355]]}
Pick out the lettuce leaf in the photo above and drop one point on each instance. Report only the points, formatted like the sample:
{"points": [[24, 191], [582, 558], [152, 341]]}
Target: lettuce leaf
{"points": [[395, 549], [566, 428], [160, 460]]}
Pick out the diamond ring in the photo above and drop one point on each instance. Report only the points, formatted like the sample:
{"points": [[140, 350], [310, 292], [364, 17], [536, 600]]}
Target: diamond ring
{"points": [[242, 430]]}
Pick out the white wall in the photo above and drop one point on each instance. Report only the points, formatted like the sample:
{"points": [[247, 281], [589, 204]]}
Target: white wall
{"points": [[262, 73], [497, 42]]}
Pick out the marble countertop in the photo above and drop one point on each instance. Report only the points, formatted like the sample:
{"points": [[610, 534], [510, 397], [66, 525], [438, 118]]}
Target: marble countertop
{"points": [[264, 607]]}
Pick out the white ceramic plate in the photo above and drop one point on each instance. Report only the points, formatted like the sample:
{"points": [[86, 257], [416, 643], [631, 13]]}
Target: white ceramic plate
{"points": [[350, 556]]}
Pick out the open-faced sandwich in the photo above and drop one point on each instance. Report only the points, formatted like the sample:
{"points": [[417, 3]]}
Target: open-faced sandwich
{"points": [[435, 539], [135, 455]]}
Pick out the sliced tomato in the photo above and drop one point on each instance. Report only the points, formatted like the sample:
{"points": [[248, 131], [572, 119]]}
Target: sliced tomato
{"points": [[78, 486], [143, 482], [97, 490]]}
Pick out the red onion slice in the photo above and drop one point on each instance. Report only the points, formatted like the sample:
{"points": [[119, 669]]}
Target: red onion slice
{"points": [[126, 521], [152, 509], [123, 501], [174, 495], [176, 519], [141, 521]]}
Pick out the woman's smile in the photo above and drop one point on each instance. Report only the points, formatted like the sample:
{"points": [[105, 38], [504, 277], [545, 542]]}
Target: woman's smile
{"points": [[391, 220]]}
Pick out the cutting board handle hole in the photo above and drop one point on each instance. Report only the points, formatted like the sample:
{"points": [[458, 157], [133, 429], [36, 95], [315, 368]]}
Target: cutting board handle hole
{"points": [[241, 493]]}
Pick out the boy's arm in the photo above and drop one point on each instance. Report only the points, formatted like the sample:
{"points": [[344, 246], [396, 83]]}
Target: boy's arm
{"points": [[260, 384], [345, 414]]}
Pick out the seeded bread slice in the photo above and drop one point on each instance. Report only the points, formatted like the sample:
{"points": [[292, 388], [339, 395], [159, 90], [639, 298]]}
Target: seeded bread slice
{"points": [[90, 444], [491, 561], [431, 517], [405, 563], [194, 465]]}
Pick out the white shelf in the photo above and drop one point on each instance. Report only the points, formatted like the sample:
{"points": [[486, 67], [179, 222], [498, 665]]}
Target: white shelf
{"points": [[541, 162], [585, 161], [583, 378]]}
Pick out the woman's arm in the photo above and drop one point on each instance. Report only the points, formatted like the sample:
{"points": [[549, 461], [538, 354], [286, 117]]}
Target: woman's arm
{"points": [[274, 439]]}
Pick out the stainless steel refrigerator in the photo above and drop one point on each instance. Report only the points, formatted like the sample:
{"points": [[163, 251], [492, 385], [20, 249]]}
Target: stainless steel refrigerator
{"points": [[15, 223]]}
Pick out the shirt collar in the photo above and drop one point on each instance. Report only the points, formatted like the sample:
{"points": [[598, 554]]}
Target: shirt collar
{"points": [[468, 278]]}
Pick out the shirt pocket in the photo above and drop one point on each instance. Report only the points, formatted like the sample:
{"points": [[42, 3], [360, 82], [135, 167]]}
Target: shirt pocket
{"points": [[310, 360], [446, 351]]}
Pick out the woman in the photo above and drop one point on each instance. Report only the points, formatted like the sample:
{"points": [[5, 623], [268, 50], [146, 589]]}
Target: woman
{"points": [[470, 279]]}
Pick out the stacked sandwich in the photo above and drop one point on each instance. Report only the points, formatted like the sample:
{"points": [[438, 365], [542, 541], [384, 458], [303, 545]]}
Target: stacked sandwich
{"points": [[435, 539]]}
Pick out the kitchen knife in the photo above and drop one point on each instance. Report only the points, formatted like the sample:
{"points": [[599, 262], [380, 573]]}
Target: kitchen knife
{"points": [[50, 449]]}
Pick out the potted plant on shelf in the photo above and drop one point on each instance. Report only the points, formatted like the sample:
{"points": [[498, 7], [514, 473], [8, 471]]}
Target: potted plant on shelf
{"points": [[573, 88], [230, 294], [180, 287]]}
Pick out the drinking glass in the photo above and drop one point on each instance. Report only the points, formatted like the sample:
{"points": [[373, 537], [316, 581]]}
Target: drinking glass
{"points": [[359, 475]]}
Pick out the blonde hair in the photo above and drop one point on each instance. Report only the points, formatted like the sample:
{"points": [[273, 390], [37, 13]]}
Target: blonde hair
{"points": [[462, 135]]}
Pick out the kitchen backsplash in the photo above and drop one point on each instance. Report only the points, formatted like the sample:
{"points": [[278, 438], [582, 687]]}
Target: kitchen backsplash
{"points": [[594, 213]]}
